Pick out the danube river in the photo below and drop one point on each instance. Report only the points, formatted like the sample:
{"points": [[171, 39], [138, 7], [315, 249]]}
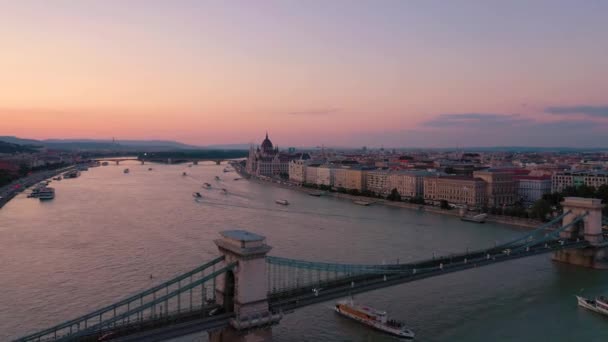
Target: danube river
{"points": [[106, 233]]}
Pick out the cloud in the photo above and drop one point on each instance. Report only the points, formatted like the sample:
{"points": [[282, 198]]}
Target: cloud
{"points": [[482, 120], [595, 111], [315, 112]]}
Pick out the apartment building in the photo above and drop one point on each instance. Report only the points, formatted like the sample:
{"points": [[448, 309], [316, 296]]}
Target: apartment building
{"points": [[563, 179], [350, 178], [500, 188], [532, 188], [461, 190]]}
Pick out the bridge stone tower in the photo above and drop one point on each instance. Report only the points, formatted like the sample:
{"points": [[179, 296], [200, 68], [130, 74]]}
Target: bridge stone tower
{"points": [[244, 290], [590, 229]]}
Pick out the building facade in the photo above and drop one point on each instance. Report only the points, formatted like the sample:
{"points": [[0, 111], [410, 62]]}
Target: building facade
{"points": [[460, 190], [266, 160], [377, 181], [563, 179], [500, 186], [349, 178], [297, 170], [531, 188], [409, 184]]}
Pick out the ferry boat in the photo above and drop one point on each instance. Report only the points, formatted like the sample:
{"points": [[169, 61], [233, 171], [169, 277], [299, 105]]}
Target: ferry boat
{"points": [[373, 318], [197, 195], [281, 202], [207, 185], [46, 194], [599, 304], [481, 218], [126, 171]]}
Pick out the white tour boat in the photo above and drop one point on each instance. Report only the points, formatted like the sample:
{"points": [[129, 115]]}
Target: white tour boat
{"points": [[373, 318], [599, 304], [282, 202]]}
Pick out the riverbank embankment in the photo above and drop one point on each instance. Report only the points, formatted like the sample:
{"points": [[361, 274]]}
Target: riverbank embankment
{"points": [[12, 189], [509, 220]]}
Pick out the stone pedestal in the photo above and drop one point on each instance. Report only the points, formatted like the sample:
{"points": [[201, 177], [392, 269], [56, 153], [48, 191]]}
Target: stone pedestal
{"points": [[591, 257], [595, 255], [244, 290]]}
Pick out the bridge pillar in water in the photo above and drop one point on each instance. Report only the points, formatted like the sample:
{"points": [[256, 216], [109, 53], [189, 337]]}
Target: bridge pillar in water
{"points": [[117, 162], [244, 290], [590, 229]]}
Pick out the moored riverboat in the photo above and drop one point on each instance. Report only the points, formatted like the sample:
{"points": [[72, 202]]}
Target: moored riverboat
{"points": [[481, 218]]}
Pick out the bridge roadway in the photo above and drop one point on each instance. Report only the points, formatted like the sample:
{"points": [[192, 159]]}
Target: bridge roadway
{"points": [[284, 302]]}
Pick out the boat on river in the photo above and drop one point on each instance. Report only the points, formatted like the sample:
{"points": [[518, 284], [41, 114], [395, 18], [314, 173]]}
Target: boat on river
{"points": [[217, 178], [282, 202], [207, 185], [126, 171], [46, 194], [197, 195], [317, 194], [373, 318], [363, 203], [599, 304], [481, 218]]}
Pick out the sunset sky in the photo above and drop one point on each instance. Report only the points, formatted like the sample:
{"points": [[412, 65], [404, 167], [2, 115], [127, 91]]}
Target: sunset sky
{"points": [[339, 73]]}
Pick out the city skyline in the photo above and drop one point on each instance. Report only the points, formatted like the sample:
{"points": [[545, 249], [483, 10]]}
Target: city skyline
{"points": [[398, 74]]}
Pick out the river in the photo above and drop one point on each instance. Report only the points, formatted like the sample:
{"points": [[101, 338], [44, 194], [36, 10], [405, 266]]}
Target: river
{"points": [[106, 232]]}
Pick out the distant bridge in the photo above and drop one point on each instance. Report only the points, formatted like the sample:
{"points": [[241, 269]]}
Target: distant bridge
{"points": [[244, 292], [179, 157]]}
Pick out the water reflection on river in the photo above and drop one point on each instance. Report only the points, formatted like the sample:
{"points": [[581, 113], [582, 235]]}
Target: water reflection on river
{"points": [[106, 232]]}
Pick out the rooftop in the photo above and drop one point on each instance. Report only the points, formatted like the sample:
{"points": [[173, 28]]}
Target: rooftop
{"points": [[241, 235]]}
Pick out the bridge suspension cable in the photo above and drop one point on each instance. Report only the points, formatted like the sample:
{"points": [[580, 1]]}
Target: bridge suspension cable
{"points": [[551, 235], [128, 304], [536, 231], [139, 311]]}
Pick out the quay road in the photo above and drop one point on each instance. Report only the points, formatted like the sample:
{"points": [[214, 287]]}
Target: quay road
{"points": [[11, 190]]}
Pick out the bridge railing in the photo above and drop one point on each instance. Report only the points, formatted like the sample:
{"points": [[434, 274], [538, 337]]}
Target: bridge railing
{"points": [[139, 302]]}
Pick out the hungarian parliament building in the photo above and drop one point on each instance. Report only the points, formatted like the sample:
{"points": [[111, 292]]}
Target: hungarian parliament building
{"points": [[266, 160]]}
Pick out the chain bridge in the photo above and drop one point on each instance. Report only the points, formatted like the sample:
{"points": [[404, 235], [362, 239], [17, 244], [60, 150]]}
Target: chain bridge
{"points": [[242, 293]]}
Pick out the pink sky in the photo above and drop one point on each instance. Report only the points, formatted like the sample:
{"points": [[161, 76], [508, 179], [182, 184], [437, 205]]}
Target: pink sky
{"points": [[334, 73]]}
